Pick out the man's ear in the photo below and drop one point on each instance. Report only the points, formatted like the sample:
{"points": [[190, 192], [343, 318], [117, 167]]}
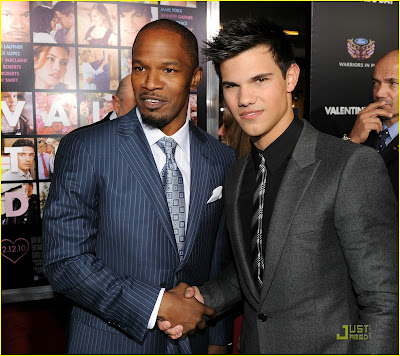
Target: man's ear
{"points": [[292, 77], [116, 104], [196, 78]]}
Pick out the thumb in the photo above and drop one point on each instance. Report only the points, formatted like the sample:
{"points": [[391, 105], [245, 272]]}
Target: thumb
{"points": [[209, 311], [164, 325], [190, 292]]}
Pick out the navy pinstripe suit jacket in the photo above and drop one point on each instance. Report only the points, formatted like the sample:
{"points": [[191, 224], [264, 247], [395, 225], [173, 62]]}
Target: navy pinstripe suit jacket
{"points": [[108, 239]]}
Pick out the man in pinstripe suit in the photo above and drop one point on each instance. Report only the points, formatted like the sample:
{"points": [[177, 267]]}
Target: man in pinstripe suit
{"points": [[108, 238]]}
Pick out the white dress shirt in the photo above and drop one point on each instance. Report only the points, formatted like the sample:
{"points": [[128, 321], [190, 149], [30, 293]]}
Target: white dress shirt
{"points": [[20, 175], [182, 153], [182, 158]]}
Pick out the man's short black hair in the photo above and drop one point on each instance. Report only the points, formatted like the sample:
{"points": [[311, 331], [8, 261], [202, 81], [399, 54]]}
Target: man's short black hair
{"points": [[21, 142], [65, 7], [240, 35], [189, 41]]}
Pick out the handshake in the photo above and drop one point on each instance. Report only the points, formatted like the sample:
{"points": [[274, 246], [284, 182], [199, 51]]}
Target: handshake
{"points": [[181, 311]]}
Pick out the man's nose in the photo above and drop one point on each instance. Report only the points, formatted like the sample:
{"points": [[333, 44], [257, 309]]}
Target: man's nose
{"points": [[381, 92], [152, 81], [17, 22], [246, 96]]}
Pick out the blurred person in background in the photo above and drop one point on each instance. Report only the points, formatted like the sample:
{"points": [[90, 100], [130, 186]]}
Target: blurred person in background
{"points": [[232, 134], [377, 125]]}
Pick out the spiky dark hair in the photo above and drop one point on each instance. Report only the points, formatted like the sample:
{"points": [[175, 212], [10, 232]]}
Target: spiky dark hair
{"points": [[240, 35]]}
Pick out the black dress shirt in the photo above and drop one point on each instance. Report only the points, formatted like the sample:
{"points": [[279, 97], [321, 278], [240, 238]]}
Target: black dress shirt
{"points": [[277, 156]]}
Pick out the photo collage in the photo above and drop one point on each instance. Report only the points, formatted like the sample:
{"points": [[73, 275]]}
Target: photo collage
{"points": [[62, 61]]}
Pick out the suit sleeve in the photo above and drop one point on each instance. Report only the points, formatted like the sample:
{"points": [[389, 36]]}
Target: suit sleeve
{"points": [[367, 225], [70, 228], [221, 332], [222, 292]]}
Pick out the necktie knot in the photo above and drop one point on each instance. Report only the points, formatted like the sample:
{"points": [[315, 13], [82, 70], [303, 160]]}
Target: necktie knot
{"points": [[168, 146], [262, 165]]}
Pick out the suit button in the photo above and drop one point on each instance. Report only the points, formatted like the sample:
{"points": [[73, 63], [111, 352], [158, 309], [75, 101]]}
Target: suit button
{"points": [[263, 317]]}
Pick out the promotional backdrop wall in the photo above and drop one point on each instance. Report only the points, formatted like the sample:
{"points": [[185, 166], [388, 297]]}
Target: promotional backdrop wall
{"points": [[347, 38]]}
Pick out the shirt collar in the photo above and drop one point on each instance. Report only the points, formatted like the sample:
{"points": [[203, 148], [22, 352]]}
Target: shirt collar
{"points": [[153, 134], [113, 115], [22, 174], [393, 130], [279, 150]]}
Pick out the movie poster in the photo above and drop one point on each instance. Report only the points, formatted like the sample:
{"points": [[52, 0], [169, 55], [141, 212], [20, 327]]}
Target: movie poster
{"points": [[61, 63]]}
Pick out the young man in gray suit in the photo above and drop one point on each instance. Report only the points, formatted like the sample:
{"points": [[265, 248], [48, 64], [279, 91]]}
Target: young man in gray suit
{"points": [[312, 219], [115, 243]]}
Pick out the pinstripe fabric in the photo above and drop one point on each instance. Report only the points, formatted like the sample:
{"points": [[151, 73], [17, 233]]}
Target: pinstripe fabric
{"points": [[108, 239]]}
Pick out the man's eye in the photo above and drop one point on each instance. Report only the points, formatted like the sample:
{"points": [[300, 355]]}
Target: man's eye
{"points": [[138, 69], [260, 80], [170, 70]]}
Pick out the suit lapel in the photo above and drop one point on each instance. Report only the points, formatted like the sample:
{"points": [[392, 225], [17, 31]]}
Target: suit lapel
{"points": [[137, 153], [299, 173], [243, 265], [199, 181]]}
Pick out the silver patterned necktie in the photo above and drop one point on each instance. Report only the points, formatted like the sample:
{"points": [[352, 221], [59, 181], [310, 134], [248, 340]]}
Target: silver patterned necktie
{"points": [[172, 182], [257, 223]]}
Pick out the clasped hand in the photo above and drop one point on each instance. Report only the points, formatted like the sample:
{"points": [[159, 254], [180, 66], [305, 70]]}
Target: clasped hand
{"points": [[181, 311]]}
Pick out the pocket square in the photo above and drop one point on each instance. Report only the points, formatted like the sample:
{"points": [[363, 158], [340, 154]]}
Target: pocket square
{"points": [[216, 194]]}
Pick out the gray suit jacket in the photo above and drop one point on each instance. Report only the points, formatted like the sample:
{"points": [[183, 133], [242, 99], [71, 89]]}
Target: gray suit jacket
{"points": [[331, 256]]}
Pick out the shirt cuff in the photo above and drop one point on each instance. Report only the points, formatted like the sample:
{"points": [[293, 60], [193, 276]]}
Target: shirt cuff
{"points": [[153, 316]]}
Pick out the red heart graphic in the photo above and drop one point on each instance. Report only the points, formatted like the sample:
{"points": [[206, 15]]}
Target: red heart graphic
{"points": [[14, 251]]}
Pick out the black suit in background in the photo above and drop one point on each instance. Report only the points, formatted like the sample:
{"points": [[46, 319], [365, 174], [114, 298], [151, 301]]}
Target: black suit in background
{"points": [[390, 156]]}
